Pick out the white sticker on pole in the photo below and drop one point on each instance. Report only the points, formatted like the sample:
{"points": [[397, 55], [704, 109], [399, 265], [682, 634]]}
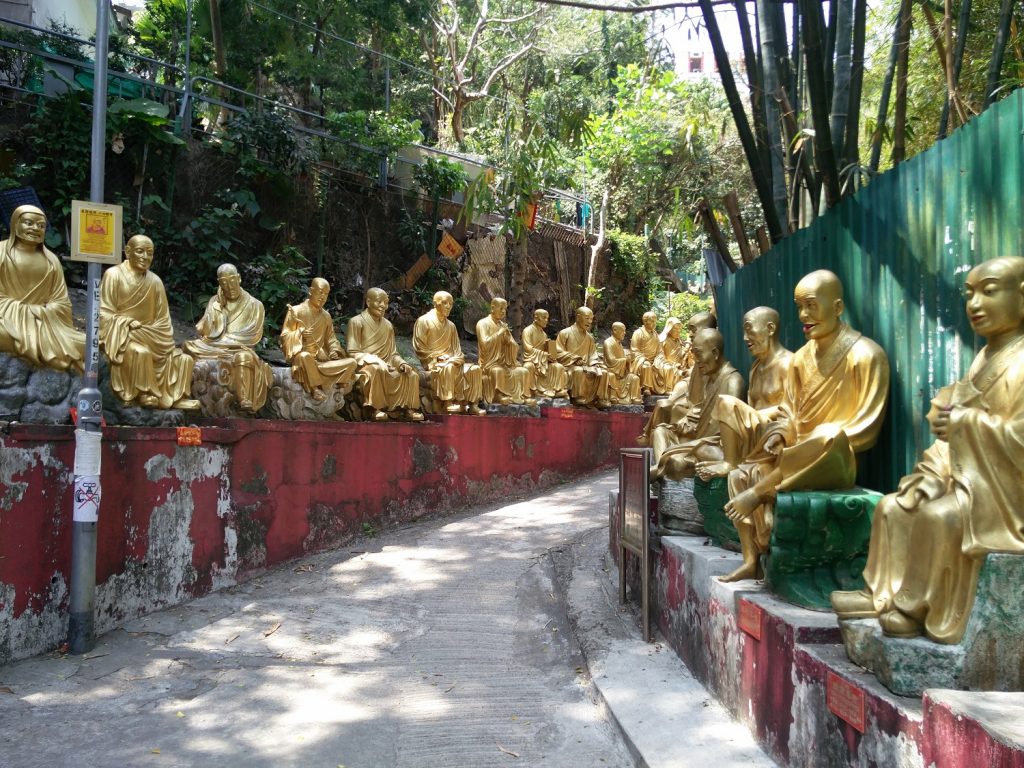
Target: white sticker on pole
{"points": [[87, 452], [87, 499]]}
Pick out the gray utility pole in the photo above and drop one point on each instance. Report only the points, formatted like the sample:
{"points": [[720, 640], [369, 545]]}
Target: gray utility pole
{"points": [[88, 435]]}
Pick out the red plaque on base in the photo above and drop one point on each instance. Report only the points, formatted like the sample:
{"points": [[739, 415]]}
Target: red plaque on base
{"points": [[749, 619], [845, 700]]}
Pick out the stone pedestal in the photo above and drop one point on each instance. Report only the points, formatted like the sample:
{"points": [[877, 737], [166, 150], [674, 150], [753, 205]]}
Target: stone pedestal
{"points": [[678, 511], [288, 400], [819, 544], [990, 657], [515, 410], [712, 496], [35, 395]]}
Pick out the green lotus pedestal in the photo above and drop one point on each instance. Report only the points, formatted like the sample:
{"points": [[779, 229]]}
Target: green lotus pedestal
{"points": [[819, 544], [711, 496]]}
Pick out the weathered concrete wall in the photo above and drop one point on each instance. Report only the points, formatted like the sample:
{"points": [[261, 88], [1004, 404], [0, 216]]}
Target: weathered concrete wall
{"points": [[178, 521]]}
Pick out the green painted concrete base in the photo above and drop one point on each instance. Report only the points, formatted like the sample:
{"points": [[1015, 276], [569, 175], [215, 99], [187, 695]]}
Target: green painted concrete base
{"points": [[819, 544], [989, 658], [711, 496]]}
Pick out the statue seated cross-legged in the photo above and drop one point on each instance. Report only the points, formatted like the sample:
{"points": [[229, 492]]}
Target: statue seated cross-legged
{"points": [[549, 376], [623, 386], [834, 402], [647, 362], [504, 380], [454, 385], [389, 385], [576, 349]]}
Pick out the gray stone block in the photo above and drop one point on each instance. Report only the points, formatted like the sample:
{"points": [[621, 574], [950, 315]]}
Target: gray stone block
{"points": [[678, 511], [14, 371], [990, 657], [41, 413], [11, 401], [48, 386]]}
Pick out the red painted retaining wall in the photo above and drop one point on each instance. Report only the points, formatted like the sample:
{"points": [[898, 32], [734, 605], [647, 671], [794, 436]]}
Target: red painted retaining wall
{"points": [[178, 521]]}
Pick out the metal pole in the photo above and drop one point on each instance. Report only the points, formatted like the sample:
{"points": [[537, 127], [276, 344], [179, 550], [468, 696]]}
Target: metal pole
{"points": [[81, 630], [185, 117], [383, 180]]}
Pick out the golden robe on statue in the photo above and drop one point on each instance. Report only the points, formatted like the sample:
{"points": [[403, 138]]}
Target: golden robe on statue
{"points": [[623, 386], [925, 561], [502, 375], [549, 376], [228, 331], [322, 363], [577, 351], [646, 348], [138, 339], [437, 345], [832, 409], [372, 343], [35, 312]]}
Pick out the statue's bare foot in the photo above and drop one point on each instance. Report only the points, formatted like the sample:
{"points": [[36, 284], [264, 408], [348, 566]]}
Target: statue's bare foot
{"points": [[562, 393], [186, 404], [454, 408], [744, 572], [380, 416], [415, 416], [475, 410], [148, 401], [642, 439], [706, 470], [742, 505], [505, 400], [318, 395], [246, 405]]}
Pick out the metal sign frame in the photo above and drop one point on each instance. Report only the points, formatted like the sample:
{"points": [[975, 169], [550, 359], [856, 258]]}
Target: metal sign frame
{"points": [[634, 531]]}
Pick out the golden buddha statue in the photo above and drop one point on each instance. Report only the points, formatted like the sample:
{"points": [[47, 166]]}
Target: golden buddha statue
{"points": [[623, 386], [390, 386], [645, 346], [576, 349], [504, 381], [228, 330], [309, 343], [146, 369], [766, 388], [35, 312], [680, 446], [674, 407], [455, 385], [549, 376], [964, 498], [675, 359], [833, 405]]}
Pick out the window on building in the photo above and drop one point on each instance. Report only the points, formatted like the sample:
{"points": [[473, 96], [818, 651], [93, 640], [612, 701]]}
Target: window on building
{"points": [[696, 63]]}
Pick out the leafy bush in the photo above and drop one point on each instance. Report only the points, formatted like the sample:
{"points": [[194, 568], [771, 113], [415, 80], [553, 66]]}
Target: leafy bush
{"points": [[367, 137], [440, 177], [634, 265], [685, 305]]}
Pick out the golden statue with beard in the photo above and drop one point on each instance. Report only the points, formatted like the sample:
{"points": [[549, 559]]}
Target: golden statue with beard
{"points": [[35, 312], [146, 368], [229, 329], [965, 497]]}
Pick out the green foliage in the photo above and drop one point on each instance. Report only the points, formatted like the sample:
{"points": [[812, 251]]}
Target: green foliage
{"points": [[267, 145], [440, 177], [685, 305], [367, 137], [276, 279], [635, 266]]}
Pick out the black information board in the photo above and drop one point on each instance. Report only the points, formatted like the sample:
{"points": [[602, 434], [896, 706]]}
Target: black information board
{"points": [[634, 494]]}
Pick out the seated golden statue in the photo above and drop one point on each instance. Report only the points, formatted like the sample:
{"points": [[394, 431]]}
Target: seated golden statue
{"points": [[676, 358], [455, 385], [766, 388], [310, 345], [673, 408], [146, 368], [35, 312], [549, 376], [647, 362], [389, 384], [680, 445], [228, 330], [964, 498], [623, 386], [503, 380], [834, 402], [576, 349]]}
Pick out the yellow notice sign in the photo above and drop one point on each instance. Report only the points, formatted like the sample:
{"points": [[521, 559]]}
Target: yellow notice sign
{"points": [[95, 232], [450, 247]]}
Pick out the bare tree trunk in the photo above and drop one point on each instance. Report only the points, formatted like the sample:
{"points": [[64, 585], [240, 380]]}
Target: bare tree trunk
{"points": [[770, 67], [707, 219], [841, 81], [761, 183], [824, 156], [995, 65], [952, 95], [883, 102], [899, 130], [830, 47], [595, 251], [756, 80], [799, 164], [852, 153], [220, 57]]}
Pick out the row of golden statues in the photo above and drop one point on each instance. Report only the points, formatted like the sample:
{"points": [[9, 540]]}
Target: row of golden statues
{"points": [[809, 414], [148, 370]]}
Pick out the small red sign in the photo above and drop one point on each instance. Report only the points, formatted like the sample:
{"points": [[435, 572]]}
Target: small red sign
{"points": [[566, 413], [845, 700], [750, 616], [190, 436]]}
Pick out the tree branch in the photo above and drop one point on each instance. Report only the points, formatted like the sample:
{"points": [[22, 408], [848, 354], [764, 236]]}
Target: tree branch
{"points": [[500, 67], [634, 8]]}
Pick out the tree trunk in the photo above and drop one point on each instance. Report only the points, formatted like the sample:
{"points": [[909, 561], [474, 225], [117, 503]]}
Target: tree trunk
{"points": [[520, 272], [830, 46], [800, 165], [595, 251], [899, 129], [841, 82], [756, 80], [761, 183], [958, 61], [220, 57], [852, 153], [824, 156], [995, 65], [883, 103], [770, 68]]}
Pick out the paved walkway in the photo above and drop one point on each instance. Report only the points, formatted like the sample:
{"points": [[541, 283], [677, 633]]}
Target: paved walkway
{"points": [[449, 643]]}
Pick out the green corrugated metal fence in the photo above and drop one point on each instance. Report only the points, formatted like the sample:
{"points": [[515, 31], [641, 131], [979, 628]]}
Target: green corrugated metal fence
{"points": [[902, 247]]}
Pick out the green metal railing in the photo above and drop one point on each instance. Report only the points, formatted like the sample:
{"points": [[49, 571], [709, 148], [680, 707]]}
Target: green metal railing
{"points": [[902, 247]]}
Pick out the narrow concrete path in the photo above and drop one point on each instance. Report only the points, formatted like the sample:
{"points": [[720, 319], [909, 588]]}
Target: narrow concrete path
{"points": [[447, 643]]}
